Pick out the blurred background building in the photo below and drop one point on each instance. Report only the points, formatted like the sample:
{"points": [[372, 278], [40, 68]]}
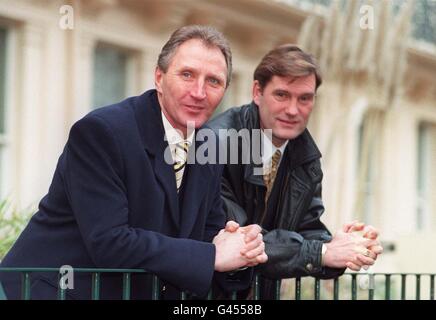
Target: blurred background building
{"points": [[375, 118]]}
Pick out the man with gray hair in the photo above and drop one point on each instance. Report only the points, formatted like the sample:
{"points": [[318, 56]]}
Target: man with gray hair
{"points": [[285, 199], [115, 202]]}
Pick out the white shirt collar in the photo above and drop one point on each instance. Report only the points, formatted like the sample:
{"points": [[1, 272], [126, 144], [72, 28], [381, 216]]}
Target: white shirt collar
{"points": [[174, 136], [268, 149]]}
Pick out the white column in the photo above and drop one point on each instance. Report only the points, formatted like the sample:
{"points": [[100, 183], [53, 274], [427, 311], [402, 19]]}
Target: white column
{"points": [[83, 45], [53, 110], [29, 120]]}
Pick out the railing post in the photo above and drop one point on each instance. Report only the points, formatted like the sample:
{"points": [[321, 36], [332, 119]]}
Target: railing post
{"points": [[353, 286], [96, 286], [234, 295], [387, 287], [418, 287], [2, 293], [155, 288], [403, 286], [126, 286], [336, 289], [25, 293], [61, 291], [256, 291], [317, 289], [298, 289], [432, 287], [371, 286], [277, 289]]}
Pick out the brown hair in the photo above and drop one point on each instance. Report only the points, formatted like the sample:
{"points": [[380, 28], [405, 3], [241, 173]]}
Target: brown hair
{"points": [[287, 60], [207, 34]]}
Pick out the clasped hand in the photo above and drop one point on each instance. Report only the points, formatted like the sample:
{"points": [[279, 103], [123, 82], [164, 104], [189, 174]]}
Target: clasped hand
{"points": [[238, 247]]}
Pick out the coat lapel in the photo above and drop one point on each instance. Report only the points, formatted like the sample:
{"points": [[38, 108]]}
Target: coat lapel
{"points": [[197, 178], [166, 177], [197, 182], [149, 121]]}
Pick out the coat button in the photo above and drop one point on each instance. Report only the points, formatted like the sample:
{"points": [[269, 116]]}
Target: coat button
{"points": [[309, 267]]}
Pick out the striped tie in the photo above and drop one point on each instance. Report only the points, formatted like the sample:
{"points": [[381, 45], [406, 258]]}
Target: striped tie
{"points": [[268, 178], [181, 155]]}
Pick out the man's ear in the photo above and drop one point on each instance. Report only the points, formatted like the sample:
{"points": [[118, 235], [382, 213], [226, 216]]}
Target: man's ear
{"points": [[158, 77], [257, 92]]}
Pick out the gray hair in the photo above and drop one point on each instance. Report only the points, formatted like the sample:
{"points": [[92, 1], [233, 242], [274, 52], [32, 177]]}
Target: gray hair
{"points": [[210, 37]]}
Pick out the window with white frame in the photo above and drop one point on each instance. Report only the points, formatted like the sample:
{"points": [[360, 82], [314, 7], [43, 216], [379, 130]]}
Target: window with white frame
{"points": [[426, 176], [110, 75]]}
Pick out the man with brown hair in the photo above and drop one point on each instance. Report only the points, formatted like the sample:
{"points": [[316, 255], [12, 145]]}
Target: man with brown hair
{"points": [[286, 198], [115, 202]]}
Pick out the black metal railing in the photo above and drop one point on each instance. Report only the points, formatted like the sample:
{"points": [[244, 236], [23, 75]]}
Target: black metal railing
{"points": [[350, 286]]}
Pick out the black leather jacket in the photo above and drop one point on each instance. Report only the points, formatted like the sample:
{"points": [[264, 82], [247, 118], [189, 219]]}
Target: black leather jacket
{"points": [[293, 232]]}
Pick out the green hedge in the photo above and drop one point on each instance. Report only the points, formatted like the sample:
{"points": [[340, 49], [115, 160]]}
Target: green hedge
{"points": [[12, 222]]}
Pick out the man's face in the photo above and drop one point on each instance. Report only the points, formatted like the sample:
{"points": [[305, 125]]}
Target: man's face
{"points": [[193, 85], [285, 105]]}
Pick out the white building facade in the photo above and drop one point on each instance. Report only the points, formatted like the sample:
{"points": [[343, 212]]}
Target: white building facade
{"points": [[375, 118]]}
